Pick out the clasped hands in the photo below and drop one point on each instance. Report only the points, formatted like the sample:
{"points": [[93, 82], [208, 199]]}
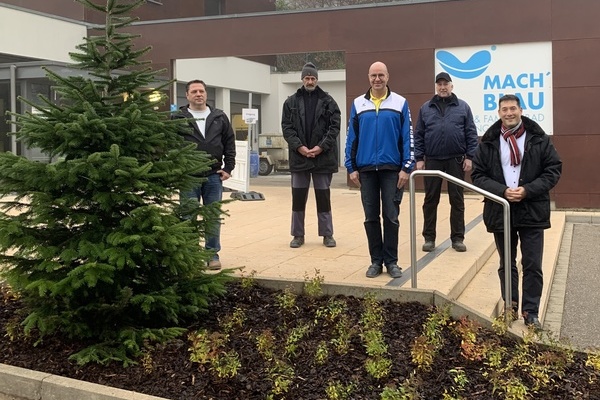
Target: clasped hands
{"points": [[310, 153]]}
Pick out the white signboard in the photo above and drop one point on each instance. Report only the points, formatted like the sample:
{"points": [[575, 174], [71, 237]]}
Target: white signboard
{"points": [[250, 115], [482, 74]]}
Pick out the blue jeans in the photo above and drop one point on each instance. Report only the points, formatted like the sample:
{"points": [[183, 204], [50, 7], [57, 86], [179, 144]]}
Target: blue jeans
{"points": [[209, 191], [379, 192]]}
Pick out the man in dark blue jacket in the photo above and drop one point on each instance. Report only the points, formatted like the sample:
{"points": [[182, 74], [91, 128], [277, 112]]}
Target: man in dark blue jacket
{"points": [[517, 161], [211, 132], [445, 140], [311, 125]]}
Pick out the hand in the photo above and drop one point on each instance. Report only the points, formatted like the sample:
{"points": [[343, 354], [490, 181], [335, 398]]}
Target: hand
{"points": [[402, 179], [303, 150], [420, 164], [315, 151], [224, 175], [515, 195], [354, 177], [467, 165]]}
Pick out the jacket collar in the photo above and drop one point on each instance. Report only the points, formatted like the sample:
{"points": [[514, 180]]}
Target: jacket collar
{"points": [[531, 128]]}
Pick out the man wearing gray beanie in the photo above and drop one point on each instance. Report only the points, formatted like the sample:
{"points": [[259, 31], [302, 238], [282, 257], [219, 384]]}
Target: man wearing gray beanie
{"points": [[311, 126]]}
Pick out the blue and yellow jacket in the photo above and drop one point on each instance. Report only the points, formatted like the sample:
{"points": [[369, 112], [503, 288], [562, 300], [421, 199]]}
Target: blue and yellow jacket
{"points": [[380, 140]]}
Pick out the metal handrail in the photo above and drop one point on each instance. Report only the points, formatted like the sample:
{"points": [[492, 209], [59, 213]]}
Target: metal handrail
{"points": [[506, 215]]}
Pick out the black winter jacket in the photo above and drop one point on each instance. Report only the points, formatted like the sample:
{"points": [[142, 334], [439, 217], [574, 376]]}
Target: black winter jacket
{"points": [[324, 134], [218, 140], [541, 168]]}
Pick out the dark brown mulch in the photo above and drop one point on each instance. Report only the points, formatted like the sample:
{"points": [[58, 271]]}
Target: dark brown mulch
{"points": [[167, 371]]}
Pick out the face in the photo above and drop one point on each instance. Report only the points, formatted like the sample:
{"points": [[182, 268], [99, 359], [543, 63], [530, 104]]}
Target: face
{"points": [[443, 88], [309, 82], [510, 113], [378, 76], [196, 95]]}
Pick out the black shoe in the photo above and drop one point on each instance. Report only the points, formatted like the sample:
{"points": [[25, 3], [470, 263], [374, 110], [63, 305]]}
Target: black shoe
{"points": [[459, 246], [374, 271], [296, 242], [428, 246], [329, 241], [533, 321], [514, 311], [394, 270]]}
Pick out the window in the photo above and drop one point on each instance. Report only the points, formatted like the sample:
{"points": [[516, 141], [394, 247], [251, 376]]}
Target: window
{"points": [[212, 7]]}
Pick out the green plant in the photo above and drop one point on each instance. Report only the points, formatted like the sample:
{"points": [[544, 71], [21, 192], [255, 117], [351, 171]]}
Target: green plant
{"points": [[593, 360], [226, 364], [286, 300], [460, 379], [249, 281], [265, 343], [342, 335], [235, 320], [101, 253], [282, 376], [339, 391], [378, 367], [322, 353], [295, 336], [313, 287]]}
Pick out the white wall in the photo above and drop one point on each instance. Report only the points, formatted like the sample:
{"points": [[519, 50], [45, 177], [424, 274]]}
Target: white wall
{"points": [[226, 72], [30, 35]]}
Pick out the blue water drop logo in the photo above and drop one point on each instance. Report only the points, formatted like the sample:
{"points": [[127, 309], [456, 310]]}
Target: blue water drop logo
{"points": [[472, 68]]}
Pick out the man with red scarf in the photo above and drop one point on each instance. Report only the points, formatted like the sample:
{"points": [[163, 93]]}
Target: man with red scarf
{"points": [[516, 160]]}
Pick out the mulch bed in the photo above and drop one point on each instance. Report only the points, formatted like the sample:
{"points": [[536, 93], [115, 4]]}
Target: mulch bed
{"points": [[167, 371]]}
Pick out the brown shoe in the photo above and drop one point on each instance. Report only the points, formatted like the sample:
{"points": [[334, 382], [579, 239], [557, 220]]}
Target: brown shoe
{"points": [[214, 264]]}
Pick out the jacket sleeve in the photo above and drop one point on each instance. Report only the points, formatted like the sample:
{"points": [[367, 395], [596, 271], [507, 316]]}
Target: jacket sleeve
{"points": [[228, 139], [408, 141], [420, 137], [471, 136], [351, 141], [333, 130], [552, 169], [290, 134]]}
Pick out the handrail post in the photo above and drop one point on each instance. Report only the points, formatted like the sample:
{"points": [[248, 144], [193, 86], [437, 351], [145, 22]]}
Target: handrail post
{"points": [[506, 222]]}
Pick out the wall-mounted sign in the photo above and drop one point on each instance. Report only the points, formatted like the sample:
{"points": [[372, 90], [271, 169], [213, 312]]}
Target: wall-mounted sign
{"points": [[482, 74], [250, 115]]}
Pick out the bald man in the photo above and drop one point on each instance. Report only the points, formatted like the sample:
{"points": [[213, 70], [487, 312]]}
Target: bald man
{"points": [[379, 159]]}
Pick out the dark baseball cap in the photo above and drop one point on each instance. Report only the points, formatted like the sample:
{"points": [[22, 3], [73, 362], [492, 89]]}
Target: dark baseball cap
{"points": [[443, 75]]}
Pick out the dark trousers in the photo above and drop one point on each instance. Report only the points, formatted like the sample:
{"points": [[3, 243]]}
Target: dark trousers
{"points": [[532, 248], [300, 186], [379, 192], [433, 189]]}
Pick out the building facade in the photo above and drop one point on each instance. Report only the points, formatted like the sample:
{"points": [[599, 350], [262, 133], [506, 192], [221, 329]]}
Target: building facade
{"points": [[408, 36]]}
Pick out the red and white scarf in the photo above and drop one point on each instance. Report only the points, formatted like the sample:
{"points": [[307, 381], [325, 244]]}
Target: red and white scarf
{"points": [[511, 135]]}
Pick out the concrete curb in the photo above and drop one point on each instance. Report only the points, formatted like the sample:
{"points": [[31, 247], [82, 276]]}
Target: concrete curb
{"points": [[23, 384]]}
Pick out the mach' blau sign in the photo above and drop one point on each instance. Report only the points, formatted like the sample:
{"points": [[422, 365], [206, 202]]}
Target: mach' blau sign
{"points": [[482, 74]]}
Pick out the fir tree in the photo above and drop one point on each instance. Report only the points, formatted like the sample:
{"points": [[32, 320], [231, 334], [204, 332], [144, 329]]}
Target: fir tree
{"points": [[93, 242]]}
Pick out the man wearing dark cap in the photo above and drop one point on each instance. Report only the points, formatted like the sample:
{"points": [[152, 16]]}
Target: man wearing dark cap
{"points": [[445, 140], [311, 124]]}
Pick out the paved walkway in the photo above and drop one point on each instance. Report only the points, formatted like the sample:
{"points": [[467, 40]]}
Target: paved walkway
{"points": [[256, 234]]}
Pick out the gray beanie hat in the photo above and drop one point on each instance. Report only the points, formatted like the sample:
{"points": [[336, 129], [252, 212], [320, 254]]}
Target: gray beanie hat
{"points": [[309, 69]]}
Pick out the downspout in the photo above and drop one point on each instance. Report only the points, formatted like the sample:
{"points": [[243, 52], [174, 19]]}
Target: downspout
{"points": [[13, 108]]}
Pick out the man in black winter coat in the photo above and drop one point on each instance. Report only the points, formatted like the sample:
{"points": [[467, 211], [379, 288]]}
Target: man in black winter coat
{"points": [[211, 132], [516, 160], [311, 125]]}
